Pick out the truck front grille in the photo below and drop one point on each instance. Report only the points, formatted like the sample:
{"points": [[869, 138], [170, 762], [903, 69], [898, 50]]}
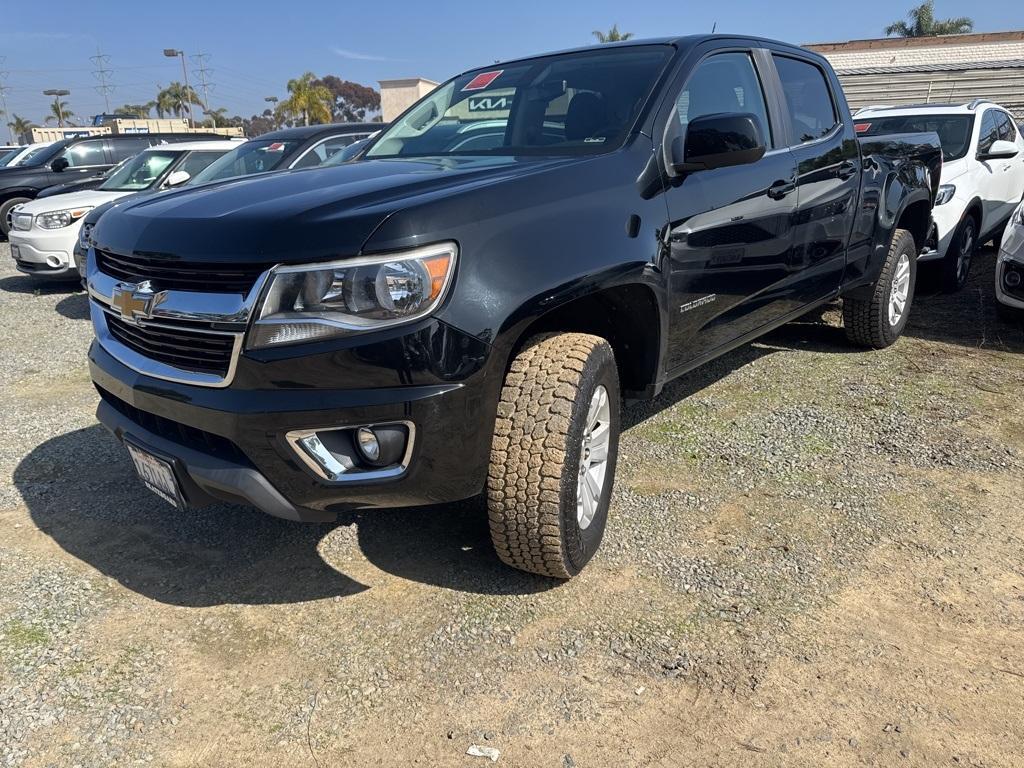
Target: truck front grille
{"points": [[185, 349], [173, 275]]}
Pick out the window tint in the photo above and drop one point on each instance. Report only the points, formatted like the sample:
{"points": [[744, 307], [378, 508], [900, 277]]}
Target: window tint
{"points": [[198, 161], [326, 149], [954, 131], [86, 153], [726, 82], [808, 99], [1004, 125], [122, 149], [989, 131], [140, 172]]}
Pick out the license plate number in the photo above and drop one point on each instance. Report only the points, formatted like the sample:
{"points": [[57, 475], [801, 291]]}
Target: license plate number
{"points": [[156, 474]]}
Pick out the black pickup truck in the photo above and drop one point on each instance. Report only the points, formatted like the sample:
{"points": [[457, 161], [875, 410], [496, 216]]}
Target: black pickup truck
{"points": [[465, 307]]}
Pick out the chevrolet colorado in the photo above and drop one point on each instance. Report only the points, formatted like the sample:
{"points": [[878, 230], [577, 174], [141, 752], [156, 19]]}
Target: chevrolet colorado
{"points": [[465, 306]]}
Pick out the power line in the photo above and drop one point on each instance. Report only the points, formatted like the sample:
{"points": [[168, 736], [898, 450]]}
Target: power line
{"points": [[202, 71], [3, 95], [101, 73]]}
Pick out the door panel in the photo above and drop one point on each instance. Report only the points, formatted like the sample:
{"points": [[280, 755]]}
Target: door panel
{"points": [[828, 180], [729, 238]]}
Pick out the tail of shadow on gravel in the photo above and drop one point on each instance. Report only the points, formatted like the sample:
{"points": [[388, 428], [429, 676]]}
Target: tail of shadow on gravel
{"points": [[80, 490], [38, 286], [74, 307]]}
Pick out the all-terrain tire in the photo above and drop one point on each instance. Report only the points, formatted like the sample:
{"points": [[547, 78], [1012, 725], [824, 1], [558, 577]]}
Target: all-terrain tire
{"points": [[867, 320], [538, 451]]}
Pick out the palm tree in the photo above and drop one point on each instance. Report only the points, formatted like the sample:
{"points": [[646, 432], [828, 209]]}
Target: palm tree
{"points": [[175, 99], [140, 111], [308, 100], [924, 24], [612, 35], [59, 111], [20, 125], [218, 116]]}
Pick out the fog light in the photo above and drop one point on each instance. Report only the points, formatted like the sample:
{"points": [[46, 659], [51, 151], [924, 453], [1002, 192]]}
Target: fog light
{"points": [[53, 262], [368, 444], [1012, 278]]}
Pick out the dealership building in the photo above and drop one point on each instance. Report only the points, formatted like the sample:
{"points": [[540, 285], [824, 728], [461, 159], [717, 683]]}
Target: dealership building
{"points": [[950, 68]]}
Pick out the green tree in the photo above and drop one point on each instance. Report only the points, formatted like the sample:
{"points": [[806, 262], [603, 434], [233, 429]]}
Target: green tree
{"points": [[59, 111], [140, 111], [922, 23], [175, 100], [351, 102], [20, 125], [612, 35], [309, 101], [218, 117]]}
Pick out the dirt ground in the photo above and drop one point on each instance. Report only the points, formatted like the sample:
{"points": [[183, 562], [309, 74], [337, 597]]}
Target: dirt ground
{"points": [[815, 557]]}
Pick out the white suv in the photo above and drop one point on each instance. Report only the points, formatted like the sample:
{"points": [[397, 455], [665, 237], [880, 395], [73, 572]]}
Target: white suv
{"points": [[982, 175]]}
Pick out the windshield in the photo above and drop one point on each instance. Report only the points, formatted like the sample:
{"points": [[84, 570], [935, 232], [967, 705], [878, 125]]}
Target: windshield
{"points": [[569, 104], [43, 155], [140, 172], [257, 156], [954, 130], [6, 155]]}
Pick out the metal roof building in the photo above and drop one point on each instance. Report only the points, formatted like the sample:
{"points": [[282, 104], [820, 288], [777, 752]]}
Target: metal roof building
{"points": [[950, 68]]}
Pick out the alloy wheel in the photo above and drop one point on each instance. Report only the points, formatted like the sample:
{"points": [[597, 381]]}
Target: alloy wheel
{"points": [[593, 458]]}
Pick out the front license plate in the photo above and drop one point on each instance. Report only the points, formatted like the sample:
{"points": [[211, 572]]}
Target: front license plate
{"points": [[156, 474], [15, 252]]}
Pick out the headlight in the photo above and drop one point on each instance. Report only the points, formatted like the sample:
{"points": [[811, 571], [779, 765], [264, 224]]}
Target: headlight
{"points": [[58, 219], [318, 301], [21, 221], [83, 236], [946, 192]]}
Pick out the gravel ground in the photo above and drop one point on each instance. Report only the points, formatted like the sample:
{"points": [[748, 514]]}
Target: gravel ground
{"points": [[814, 557]]}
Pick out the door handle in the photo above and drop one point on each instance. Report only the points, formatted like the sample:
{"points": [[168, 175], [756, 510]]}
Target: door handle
{"points": [[847, 170], [780, 189]]}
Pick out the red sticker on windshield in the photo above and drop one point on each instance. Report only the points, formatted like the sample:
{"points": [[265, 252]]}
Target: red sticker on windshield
{"points": [[862, 127], [482, 80], [277, 146]]}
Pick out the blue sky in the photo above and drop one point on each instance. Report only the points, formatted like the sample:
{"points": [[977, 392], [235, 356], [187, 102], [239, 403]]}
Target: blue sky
{"points": [[255, 49]]}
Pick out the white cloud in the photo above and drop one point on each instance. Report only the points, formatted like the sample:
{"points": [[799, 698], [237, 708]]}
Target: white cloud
{"points": [[358, 56]]}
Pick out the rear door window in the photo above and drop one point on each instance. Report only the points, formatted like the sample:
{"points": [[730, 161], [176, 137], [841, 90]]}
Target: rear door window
{"points": [[86, 153], [812, 111]]}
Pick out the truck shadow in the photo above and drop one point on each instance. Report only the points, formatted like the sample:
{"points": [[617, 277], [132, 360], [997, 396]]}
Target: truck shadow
{"points": [[26, 284], [80, 490], [74, 307]]}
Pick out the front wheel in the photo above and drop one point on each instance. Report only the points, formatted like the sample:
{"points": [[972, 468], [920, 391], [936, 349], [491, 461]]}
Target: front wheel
{"points": [[556, 440], [956, 267], [879, 320]]}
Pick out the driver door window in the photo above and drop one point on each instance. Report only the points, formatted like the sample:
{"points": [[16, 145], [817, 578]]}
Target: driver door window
{"points": [[725, 83]]}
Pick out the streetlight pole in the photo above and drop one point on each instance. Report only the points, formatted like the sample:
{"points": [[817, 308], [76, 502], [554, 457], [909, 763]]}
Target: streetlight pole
{"points": [[172, 53], [273, 100], [57, 93]]}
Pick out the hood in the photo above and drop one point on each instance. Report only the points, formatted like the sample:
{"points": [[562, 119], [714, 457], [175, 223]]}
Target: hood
{"points": [[88, 198], [953, 169], [293, 216]]}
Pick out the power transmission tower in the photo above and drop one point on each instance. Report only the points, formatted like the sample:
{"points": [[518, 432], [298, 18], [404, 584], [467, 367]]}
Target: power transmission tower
{"points": [[203, 72], [101, 73], [3, 96]]}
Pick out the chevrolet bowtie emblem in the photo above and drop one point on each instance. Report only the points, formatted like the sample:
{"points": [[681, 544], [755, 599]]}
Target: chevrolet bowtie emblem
{"points": [[136, 301]]}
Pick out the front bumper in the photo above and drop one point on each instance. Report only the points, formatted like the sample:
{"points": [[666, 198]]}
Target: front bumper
{"points": [[45, 253], [946, 219], [230, 444]]}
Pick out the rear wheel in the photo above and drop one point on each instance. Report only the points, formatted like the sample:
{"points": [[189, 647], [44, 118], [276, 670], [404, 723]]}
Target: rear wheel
{"points": [[956, 267], [5, 209], [878, 321], [553, 454]]}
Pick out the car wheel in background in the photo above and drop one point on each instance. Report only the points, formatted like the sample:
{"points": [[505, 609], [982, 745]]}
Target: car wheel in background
{"points": [[553, 455], [956, 267], [5, 209], [879, 320]]}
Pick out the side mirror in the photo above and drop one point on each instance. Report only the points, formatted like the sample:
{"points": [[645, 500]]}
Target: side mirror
{"points": [[1000, 150], [177, 178], [718, 141], [59, 164]]}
